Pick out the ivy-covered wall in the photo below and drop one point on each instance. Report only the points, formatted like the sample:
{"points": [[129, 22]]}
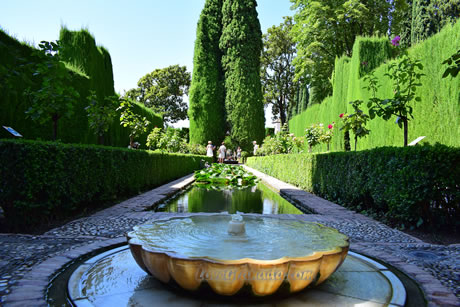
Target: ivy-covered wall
{"points": [[436, 116]]}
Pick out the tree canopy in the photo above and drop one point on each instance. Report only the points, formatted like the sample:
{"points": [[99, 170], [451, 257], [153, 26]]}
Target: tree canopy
{"points": [[429, 16], [162, 90], [325, 29], [277, 69]]}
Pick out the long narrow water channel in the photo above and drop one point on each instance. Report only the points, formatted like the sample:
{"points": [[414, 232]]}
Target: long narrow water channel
{"points": [[256, 199]]}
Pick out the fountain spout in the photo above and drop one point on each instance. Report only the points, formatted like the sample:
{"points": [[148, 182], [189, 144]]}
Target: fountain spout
{"points": [[236, 225]]}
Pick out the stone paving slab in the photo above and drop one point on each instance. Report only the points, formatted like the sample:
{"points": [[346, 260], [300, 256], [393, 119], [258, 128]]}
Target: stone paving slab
{"points": [[28, 262]]}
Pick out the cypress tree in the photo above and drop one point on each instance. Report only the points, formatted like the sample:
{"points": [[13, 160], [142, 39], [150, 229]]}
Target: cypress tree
{"points": [[207, 98], [241, 44], [305, 98], [298, 105], [293, 105]]}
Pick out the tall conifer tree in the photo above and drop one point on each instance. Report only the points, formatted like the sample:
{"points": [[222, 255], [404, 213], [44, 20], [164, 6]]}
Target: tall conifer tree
{"points": [[241, 44], [207, 98]]}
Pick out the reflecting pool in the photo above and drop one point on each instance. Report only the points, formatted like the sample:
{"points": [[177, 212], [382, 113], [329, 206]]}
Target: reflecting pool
{"points": [[256, 199]]}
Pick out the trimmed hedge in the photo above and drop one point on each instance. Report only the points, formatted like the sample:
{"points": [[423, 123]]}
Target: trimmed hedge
{"points": [[45, 181], [90, 68], [404, 186], [436, 116]]}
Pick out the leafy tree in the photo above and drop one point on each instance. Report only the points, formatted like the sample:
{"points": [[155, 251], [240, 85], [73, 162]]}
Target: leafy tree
{"points": [[277, 69], [429, 16], [454, 65], [55, 97], [326, 29], [154, 139], [355, 122], [401, 21], [406, 79], [133, 121], [162, 90], [207, 95], [241, 43], [101, 113]]}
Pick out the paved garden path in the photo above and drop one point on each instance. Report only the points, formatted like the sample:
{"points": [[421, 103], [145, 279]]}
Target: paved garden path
{"points": [[28, 262]]}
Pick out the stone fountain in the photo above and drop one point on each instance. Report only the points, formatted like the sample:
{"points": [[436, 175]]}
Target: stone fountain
{"points": [[259, 255]]}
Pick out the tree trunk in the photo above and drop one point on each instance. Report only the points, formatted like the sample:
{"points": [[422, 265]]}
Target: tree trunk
{"points": [[405, 131], [356, 141], [327, 146], [309, 148], [100, 139], [282, 114], [346, 141], [131, 141]]}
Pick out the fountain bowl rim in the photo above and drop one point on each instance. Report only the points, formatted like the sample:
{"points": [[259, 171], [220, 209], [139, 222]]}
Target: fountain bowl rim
{"points": [[133, 240]]}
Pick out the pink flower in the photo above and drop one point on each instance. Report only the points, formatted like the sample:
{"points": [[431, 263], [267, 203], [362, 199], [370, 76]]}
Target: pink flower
{"points": [[330, 126], [341, 115]]}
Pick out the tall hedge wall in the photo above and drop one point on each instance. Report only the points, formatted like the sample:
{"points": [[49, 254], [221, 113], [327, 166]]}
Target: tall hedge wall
{"points": [[43, 181], [14, 80], [437, 116], [409, 185], [80, 49]]}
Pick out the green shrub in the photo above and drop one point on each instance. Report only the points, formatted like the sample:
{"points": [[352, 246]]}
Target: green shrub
{"points": [[269, 131], [44, 181], [410, 186]]}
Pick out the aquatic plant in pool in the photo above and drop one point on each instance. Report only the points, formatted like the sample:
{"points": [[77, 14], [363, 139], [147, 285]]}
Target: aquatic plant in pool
{"points": [[233, 175]]}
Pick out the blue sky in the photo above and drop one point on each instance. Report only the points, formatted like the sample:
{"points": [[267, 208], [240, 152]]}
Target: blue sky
{"points": [[141, 35]]}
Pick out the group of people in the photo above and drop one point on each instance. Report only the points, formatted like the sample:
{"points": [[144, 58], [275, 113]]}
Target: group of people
{"points": [[224, 154]]}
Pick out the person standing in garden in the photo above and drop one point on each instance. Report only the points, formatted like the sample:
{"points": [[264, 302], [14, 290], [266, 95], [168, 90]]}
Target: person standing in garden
{"points": [[238, 154], [210, 149], [222, 150], [255, 147]]}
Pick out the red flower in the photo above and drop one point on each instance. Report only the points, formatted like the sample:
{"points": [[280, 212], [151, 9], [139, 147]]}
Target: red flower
{"points": [[341, 115], [330, 126]]}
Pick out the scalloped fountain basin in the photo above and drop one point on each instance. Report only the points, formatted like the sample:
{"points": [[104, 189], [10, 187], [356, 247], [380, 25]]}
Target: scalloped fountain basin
{"points": [[273, 254]]}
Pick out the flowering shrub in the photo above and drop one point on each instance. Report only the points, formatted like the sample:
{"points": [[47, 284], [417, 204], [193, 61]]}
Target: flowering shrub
{"points": [[282, 143], [171, 141], [313, 135], [326, 135]]}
